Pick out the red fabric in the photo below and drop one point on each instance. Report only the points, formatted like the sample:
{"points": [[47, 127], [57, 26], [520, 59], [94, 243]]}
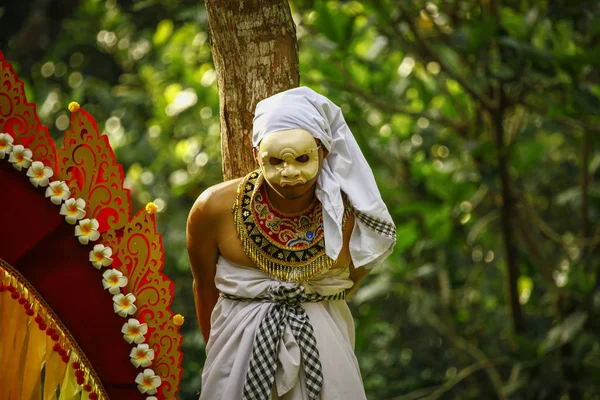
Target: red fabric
{"points": [[25, 221], [37, 241]]}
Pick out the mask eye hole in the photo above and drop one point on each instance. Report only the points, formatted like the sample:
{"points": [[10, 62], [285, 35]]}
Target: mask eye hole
{"points": [[275, 161], [303, 158]]}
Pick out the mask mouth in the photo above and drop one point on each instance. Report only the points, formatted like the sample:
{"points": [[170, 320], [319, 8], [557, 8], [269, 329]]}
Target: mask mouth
{"points": [[291, 183]]}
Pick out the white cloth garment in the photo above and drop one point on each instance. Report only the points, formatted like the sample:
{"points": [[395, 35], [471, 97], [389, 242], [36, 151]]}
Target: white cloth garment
{"points": [[234, 325], [345, 169]]}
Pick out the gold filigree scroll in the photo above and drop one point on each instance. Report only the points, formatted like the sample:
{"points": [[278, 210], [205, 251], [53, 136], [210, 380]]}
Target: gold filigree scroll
{"points": [[19, 118], [87, 163], [138, 253]]}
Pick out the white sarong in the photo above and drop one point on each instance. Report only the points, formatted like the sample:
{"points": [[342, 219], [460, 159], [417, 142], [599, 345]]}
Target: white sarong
{"points": [[234, 325]]}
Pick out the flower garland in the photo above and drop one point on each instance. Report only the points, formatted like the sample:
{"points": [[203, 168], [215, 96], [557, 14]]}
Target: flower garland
{"points": [[113, 280]]}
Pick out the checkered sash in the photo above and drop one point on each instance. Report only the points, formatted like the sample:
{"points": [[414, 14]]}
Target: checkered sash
{"points": [[286, 309]]}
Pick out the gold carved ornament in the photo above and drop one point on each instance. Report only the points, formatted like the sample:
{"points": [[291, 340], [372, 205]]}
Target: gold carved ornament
{"points": [[20, 117], [26, 347], [87, 164]]}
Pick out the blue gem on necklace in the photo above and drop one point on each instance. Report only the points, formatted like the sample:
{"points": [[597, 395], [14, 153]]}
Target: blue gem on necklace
{"points": [[309, 235]]}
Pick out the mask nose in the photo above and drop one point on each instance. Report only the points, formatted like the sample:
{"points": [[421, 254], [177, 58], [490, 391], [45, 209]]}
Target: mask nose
{"points": [[290, 171]]}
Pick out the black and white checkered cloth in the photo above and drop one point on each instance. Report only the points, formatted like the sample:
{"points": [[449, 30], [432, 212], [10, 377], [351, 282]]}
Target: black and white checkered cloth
{"points": [[378, 225], [286, 309]]}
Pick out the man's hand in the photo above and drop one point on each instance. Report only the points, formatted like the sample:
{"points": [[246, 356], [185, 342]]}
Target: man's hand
{"points": [[356, 275]]}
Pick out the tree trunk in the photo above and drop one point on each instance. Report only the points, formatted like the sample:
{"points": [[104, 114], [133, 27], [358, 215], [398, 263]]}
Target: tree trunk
{"points": [[255, 53], [508, 213]]}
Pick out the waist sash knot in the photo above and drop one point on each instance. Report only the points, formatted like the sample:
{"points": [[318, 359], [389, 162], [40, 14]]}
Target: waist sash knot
{"points": [[285, 309]]}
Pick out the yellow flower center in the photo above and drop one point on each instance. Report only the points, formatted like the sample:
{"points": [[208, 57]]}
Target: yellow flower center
{"points": [[134, 330], [58, 190], [147, 382], [86, 229], [99, 256], [141, 354], [114, 279], [72, 208], [39, 174], [19, 157], [125, 303]]}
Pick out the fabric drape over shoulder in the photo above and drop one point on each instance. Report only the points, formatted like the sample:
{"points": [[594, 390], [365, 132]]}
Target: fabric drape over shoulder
{"points": [[344, 169]]}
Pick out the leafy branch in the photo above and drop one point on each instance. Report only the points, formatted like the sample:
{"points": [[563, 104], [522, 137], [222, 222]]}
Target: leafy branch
{"points": [[390, 106], [428, 53]]}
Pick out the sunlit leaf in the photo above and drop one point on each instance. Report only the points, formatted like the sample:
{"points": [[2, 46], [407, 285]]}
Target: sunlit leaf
{"points": [[163, 32]]}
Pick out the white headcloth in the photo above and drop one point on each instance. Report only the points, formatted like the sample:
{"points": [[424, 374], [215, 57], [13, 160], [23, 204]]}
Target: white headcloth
{"points": [[344, 169]]}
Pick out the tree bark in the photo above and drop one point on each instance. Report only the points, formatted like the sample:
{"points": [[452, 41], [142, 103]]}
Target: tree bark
{"points": [[255, 54]]}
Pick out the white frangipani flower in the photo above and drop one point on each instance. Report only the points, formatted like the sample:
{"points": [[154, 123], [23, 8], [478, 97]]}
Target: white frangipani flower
{"points": [[142, 355], [113, 280], [87, 230], [151, 398], [20, 157], [6, 142], [100, 257], [133, 331], [73, 210], [57, 191], [147, 381], [39, 175], [123, 304]]}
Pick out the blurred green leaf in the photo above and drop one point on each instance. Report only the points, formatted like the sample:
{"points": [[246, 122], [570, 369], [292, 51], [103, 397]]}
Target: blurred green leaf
{"points": [[406, 234], [566, 330], [163, 32]]}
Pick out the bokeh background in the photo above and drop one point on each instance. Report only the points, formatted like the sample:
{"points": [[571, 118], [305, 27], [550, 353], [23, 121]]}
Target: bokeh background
{"points": [[480, 119]]}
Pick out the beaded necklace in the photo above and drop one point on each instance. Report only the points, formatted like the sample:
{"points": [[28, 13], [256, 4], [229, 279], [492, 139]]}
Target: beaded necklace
{"points": [[287, 247]]}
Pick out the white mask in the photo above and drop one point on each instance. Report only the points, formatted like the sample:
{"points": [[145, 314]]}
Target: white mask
{"points": [[289, 157]]}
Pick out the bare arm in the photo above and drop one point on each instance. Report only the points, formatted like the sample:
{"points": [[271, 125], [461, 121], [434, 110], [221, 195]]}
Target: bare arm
{"points": [[203, 253]]}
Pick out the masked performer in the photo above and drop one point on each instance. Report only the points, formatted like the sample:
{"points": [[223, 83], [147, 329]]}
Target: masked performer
{"points": [[275, 253]]}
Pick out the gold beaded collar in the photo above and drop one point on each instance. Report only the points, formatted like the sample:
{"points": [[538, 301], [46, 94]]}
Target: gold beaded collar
{"points": [[287, 247]]}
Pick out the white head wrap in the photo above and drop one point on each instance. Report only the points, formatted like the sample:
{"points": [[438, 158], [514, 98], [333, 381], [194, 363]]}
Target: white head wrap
{"points": [[344, 169]]}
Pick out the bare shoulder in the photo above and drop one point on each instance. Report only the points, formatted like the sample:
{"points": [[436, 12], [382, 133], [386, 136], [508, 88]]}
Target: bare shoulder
{"points": [[204, 225], [214, 202]]}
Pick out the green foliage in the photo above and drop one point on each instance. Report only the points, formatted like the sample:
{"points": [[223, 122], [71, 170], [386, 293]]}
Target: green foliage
{"points": [[419, 84]]}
